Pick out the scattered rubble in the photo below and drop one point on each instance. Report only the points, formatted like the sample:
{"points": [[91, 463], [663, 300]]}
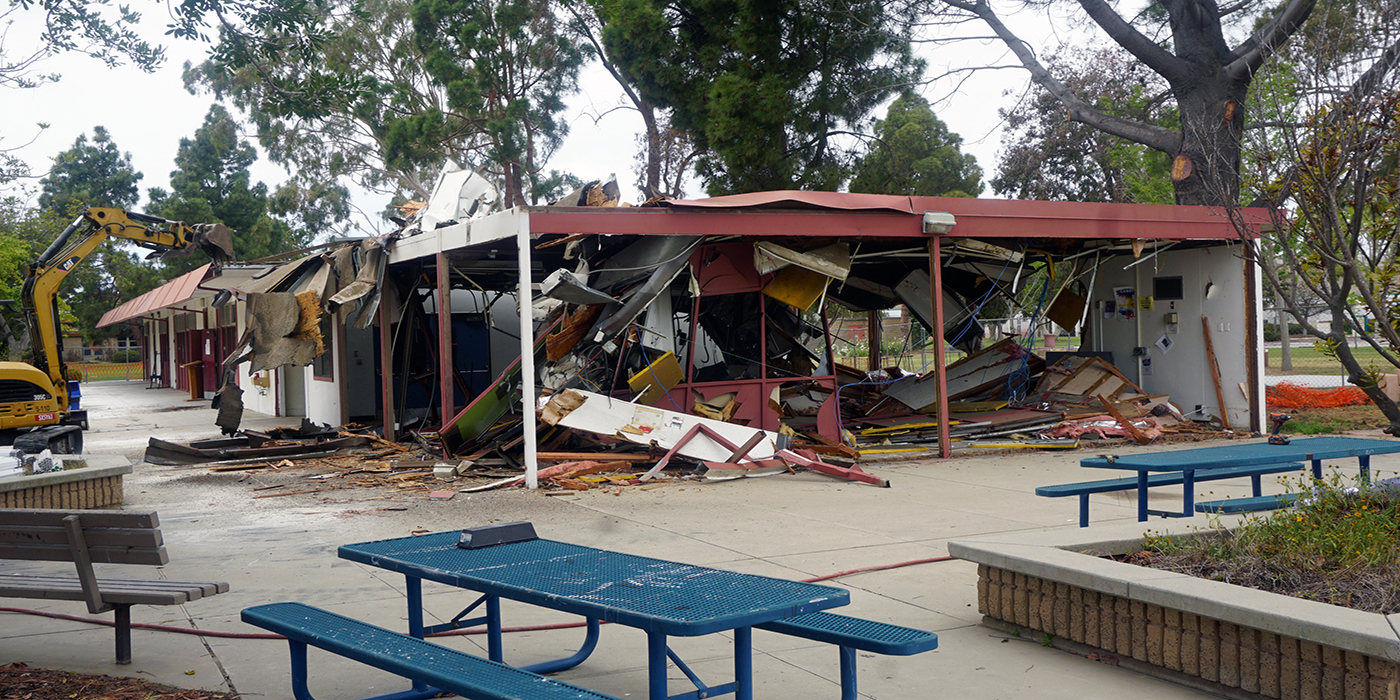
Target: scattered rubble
{"points": [[711, 355]]}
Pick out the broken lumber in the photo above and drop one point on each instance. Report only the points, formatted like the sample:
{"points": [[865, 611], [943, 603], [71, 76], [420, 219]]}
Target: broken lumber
{"points": [[1138, 437]]}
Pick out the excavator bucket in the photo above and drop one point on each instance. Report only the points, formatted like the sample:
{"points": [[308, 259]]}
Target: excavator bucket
{"points": [[215, 240]]}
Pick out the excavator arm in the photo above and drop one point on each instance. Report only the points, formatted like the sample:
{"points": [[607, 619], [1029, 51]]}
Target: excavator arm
{"points": [[39, 299]]}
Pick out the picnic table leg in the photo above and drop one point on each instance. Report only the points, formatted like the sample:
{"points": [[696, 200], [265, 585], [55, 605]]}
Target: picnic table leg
{"points": [[743, 663], [1365, 468], [1188, 492], [848, 674], [1316, 468], [494, 647], [1083, 510], [590, 641], [299, 688], [414, 590], [656, 666], [1142, 495]]}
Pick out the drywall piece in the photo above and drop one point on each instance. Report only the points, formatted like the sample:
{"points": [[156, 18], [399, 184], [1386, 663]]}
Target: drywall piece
{"points": [[644, 425], [833, 261]]}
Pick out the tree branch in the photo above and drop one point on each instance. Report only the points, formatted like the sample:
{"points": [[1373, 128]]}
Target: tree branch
{"points": [[1165, 140], [1250, 54], [1144, 49]]}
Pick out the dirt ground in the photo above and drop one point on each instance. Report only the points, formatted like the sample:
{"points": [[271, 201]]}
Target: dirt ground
{"points": [[19, 682]]}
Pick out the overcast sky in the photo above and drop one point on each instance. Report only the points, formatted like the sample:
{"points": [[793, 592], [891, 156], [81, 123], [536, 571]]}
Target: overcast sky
{"points": [[148, 114]]}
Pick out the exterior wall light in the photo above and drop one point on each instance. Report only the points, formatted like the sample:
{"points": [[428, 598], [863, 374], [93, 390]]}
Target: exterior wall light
{"points": [[938, 222]]}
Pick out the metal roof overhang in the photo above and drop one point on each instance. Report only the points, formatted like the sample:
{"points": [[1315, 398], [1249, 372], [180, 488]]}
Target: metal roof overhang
{"points": [[201, 282], [177, 291], [832, 214]]}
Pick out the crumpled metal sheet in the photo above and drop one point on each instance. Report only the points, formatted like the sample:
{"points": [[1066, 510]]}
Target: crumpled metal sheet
{"points": [[642, 295]]}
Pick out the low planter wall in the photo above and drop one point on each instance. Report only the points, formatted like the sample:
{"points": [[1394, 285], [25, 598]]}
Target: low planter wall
{"points": [[1233, 641], [97, 485]]}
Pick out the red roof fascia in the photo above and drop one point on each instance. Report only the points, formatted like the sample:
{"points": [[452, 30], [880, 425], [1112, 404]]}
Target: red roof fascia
{"points": [[844, 215], [177, 291]]}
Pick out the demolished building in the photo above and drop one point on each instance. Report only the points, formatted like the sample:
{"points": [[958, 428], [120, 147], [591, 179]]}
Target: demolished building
{"points": [[700, 329]]}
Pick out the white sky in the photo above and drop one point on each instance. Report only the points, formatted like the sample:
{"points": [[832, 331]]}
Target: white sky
{"points": [[148, 114]]}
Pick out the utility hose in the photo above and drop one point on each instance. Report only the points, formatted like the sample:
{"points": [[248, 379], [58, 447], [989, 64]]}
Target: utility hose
{"points": [[448, 633]]}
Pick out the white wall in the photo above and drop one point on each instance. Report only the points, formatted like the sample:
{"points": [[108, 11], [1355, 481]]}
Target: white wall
{"points": [[1183, 372], [323, 397]]}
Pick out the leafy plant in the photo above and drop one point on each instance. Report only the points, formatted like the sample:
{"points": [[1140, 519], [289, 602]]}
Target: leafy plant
{"points": [[1337, 545]]}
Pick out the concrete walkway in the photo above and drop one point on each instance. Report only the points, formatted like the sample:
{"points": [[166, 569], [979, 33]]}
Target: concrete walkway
{"points": [[793, 526]]}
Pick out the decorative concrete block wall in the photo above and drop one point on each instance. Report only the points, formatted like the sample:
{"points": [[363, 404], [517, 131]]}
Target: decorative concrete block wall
{"points": [[1230, 640], [1269, 665], [95, 486]]}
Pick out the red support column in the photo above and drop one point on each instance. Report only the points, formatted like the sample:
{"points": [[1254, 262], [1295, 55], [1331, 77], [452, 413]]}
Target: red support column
{"points": [[935, 265], [446, 361]]}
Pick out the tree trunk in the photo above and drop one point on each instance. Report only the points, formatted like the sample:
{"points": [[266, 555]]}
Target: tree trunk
{"points": [[1206, 166]]}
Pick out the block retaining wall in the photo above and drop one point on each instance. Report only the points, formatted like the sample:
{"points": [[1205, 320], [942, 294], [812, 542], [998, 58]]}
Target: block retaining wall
{"points": [[1238, 658], [84, 493]]}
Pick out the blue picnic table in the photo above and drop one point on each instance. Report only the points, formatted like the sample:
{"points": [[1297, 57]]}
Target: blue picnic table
{"points": [[662, 598], [1188, 462]]}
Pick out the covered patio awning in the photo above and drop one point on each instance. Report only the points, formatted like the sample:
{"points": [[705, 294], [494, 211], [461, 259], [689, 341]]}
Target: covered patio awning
{"points": [[172, 293], [205, 281]]}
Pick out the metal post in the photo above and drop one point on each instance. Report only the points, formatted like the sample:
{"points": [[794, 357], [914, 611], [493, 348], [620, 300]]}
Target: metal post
{"points": [[447, 365], [527, 353], [945, 447]]}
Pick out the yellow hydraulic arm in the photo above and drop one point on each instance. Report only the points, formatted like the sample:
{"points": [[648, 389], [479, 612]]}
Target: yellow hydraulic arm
{"points": [[96, 225]]}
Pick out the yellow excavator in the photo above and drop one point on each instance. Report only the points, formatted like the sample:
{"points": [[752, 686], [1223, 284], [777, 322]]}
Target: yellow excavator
{"points": [[37, 408]]}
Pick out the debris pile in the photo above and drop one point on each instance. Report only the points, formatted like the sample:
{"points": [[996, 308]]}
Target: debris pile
{"points": [[694, 349]]}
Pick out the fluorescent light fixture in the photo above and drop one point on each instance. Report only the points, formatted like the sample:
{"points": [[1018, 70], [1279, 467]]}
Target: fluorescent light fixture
{"points": [[938, 222]]}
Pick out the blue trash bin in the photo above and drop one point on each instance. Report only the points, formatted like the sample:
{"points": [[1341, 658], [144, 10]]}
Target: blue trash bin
{"points": [[75, 393]]}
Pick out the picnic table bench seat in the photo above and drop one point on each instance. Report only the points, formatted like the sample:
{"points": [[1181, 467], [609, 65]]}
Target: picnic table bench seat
{"points": [[1084, 489], [852, 634], [85, 537], [421, 661], [1248, 505]]}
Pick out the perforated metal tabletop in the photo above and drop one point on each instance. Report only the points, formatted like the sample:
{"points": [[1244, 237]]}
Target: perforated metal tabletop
{"points": [[649, 594], [1247, 454]]}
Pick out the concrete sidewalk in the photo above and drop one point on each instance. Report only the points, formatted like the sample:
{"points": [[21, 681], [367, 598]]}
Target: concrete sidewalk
{"points": [[792, 526]]}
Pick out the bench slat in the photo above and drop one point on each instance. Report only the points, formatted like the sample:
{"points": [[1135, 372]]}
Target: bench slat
{"points": [[100, 555], [95, 536], [438, 666], [91, 518], [846, 631], [202, 588], [1163, 479], [22, 590]]}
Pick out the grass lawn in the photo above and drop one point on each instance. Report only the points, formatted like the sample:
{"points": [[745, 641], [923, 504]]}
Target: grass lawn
{"points": [[1307, 359], [1324, 421]]}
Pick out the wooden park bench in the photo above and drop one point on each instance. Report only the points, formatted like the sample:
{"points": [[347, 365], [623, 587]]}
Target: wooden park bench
{"points": [[87, 537], [1083, 489]]}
